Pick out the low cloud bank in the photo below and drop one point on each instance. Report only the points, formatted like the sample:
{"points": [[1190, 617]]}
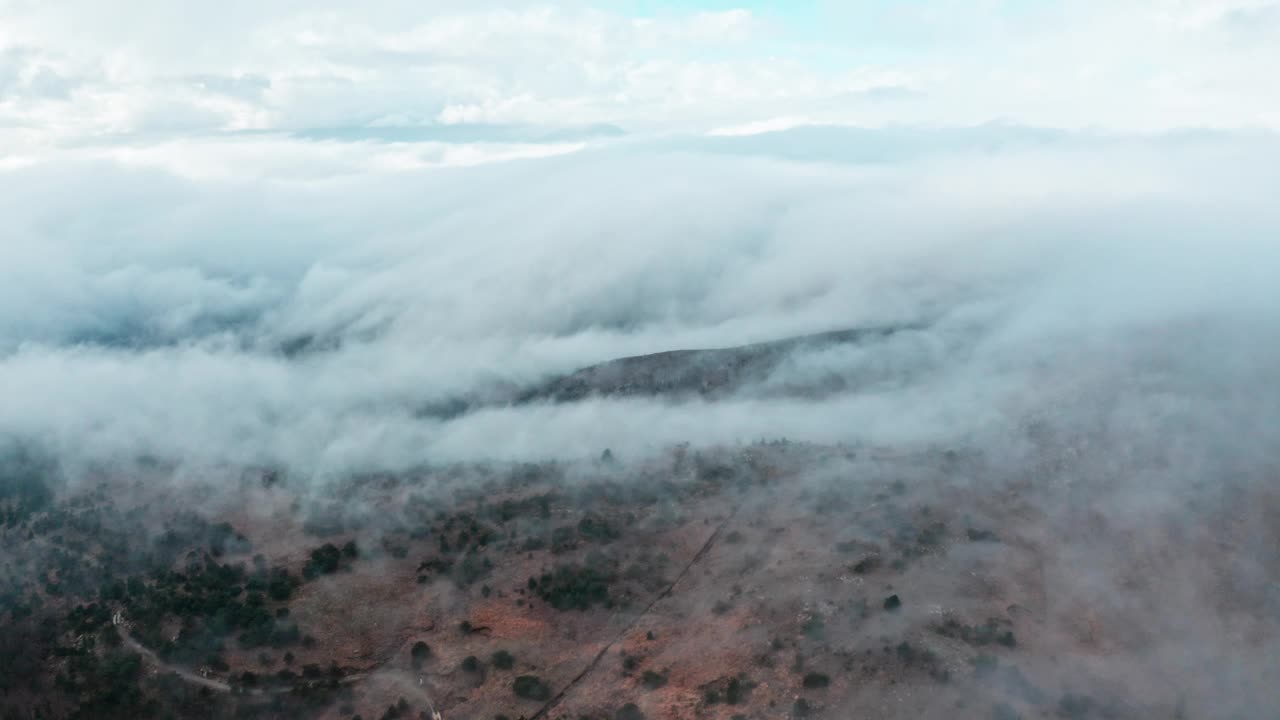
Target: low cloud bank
{"points": [[303, 319]]}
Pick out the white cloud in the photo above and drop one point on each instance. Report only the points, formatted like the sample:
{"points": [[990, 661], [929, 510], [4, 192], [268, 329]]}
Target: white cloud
{"points": [[763, 126], [147, 291], [77, 70], [438, 189]]}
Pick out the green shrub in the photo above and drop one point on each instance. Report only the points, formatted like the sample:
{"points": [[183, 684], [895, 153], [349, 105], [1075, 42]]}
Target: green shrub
{"points": [[629, 712], [420, 652], [653, 680], [575, 587], [531, 687], [815, 680]]}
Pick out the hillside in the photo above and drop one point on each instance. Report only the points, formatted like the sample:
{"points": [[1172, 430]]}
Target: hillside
{"points": [[768, 580]]}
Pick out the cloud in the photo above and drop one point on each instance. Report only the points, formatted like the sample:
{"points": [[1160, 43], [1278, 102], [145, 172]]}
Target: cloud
{"points": [[1257, 22], [337, 238], [295, 66], [324, 65], [147, 309]]}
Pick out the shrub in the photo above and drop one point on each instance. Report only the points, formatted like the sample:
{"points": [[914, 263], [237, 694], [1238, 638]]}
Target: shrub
{"points": [[503, 660], [815, 680], [324, 560], [976, 535], [420, 652], [992, 631], [575, 587], [593, 527], [653, 680], [629, 712], [736, 691], [279, 588], [866, 565], [531, 687]]}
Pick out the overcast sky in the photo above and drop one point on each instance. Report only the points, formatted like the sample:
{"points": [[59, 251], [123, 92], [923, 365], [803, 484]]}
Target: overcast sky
{"points": [[448, 194], [86, 71]]}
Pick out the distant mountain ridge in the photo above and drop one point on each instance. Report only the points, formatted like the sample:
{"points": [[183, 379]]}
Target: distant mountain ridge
{"points": [[706, 373]]}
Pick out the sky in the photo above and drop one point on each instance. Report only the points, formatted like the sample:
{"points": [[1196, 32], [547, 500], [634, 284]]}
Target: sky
{"points": [[451, 197], [79, 71]]}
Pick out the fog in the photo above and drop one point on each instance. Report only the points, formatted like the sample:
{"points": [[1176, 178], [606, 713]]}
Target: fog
{"points": [[1071, 344], [302, 316], [622, 359]]}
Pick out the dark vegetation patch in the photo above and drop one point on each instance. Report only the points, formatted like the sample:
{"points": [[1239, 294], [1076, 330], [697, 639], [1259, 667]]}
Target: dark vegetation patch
{"points": [[993, 631], [653, 680], [472, 568], [732, 690], [914, 541], [816, 680], [531, 687], [503, 660], [977, 535], [328, 559], [596, 528], [213, 600], [576, 587], [869, 564], [649, 570], [25, 477], [401, 709], [419, 653], [630, 711], [922, 659]]}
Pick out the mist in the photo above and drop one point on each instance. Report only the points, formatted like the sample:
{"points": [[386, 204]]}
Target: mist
{"points": [[303, 320], [639, 360]]}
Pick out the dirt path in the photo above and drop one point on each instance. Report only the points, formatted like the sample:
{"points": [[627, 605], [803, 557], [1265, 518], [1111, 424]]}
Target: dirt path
{"points": [[198, 679], [157, 661]]}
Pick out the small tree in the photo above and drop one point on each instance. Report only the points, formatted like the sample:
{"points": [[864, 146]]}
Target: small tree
{"points": [[503, 660], [629, 712], [815, 680], [420, 652], [531, 687]]}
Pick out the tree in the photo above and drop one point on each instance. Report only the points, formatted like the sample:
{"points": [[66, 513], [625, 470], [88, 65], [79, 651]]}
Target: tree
{"points": [[503, 660], [815, 680], [420, 652], [629, 712]]}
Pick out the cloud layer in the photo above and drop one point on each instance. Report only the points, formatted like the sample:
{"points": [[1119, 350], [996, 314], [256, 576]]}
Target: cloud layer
{"points": [[80, 71], [274, 235], [304, 314]]}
